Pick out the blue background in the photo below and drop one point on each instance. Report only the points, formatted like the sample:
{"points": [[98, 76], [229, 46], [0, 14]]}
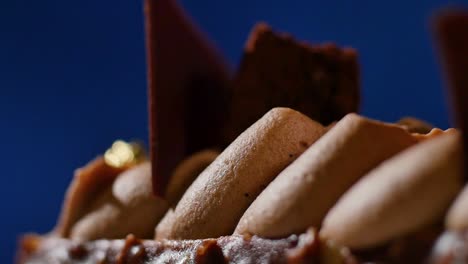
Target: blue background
{"points": [[73, 79]]}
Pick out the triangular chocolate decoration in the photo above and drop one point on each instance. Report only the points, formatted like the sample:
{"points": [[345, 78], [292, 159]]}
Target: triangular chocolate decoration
{"points": [[187, 83], [451, 32]]}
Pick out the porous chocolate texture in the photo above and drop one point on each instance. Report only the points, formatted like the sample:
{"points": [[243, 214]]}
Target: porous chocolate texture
{"points": [[321, 81]]}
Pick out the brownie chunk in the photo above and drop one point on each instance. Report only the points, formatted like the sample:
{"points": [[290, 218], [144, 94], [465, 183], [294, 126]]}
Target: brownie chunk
{"points": [[321, 81]]}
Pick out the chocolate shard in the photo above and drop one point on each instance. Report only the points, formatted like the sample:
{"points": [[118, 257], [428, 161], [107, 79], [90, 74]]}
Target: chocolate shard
{"points": [[276, 71], [187, 83], [451, 33]]}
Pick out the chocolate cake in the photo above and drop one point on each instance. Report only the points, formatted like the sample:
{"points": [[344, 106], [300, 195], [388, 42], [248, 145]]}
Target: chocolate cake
{"points": [[270, 164]]}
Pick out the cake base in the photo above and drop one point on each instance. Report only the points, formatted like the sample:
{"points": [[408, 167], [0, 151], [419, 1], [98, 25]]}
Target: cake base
{"points": [[304, 248]]}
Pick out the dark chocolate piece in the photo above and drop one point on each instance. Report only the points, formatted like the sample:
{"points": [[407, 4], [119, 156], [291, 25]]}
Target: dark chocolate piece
{"points": [[187, 83], [230, 249], [451, 32], [321, 82]]}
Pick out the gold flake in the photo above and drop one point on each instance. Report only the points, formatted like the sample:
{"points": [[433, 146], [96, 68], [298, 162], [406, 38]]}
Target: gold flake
{"points": [[122, 154]]}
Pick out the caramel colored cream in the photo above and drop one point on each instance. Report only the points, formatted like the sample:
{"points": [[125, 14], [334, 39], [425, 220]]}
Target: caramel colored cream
{"points": [[281, 176], [125, 207], [303, 193], [216, 200], [186, 172], [457, 217], [404, 194], [87, 183]]}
